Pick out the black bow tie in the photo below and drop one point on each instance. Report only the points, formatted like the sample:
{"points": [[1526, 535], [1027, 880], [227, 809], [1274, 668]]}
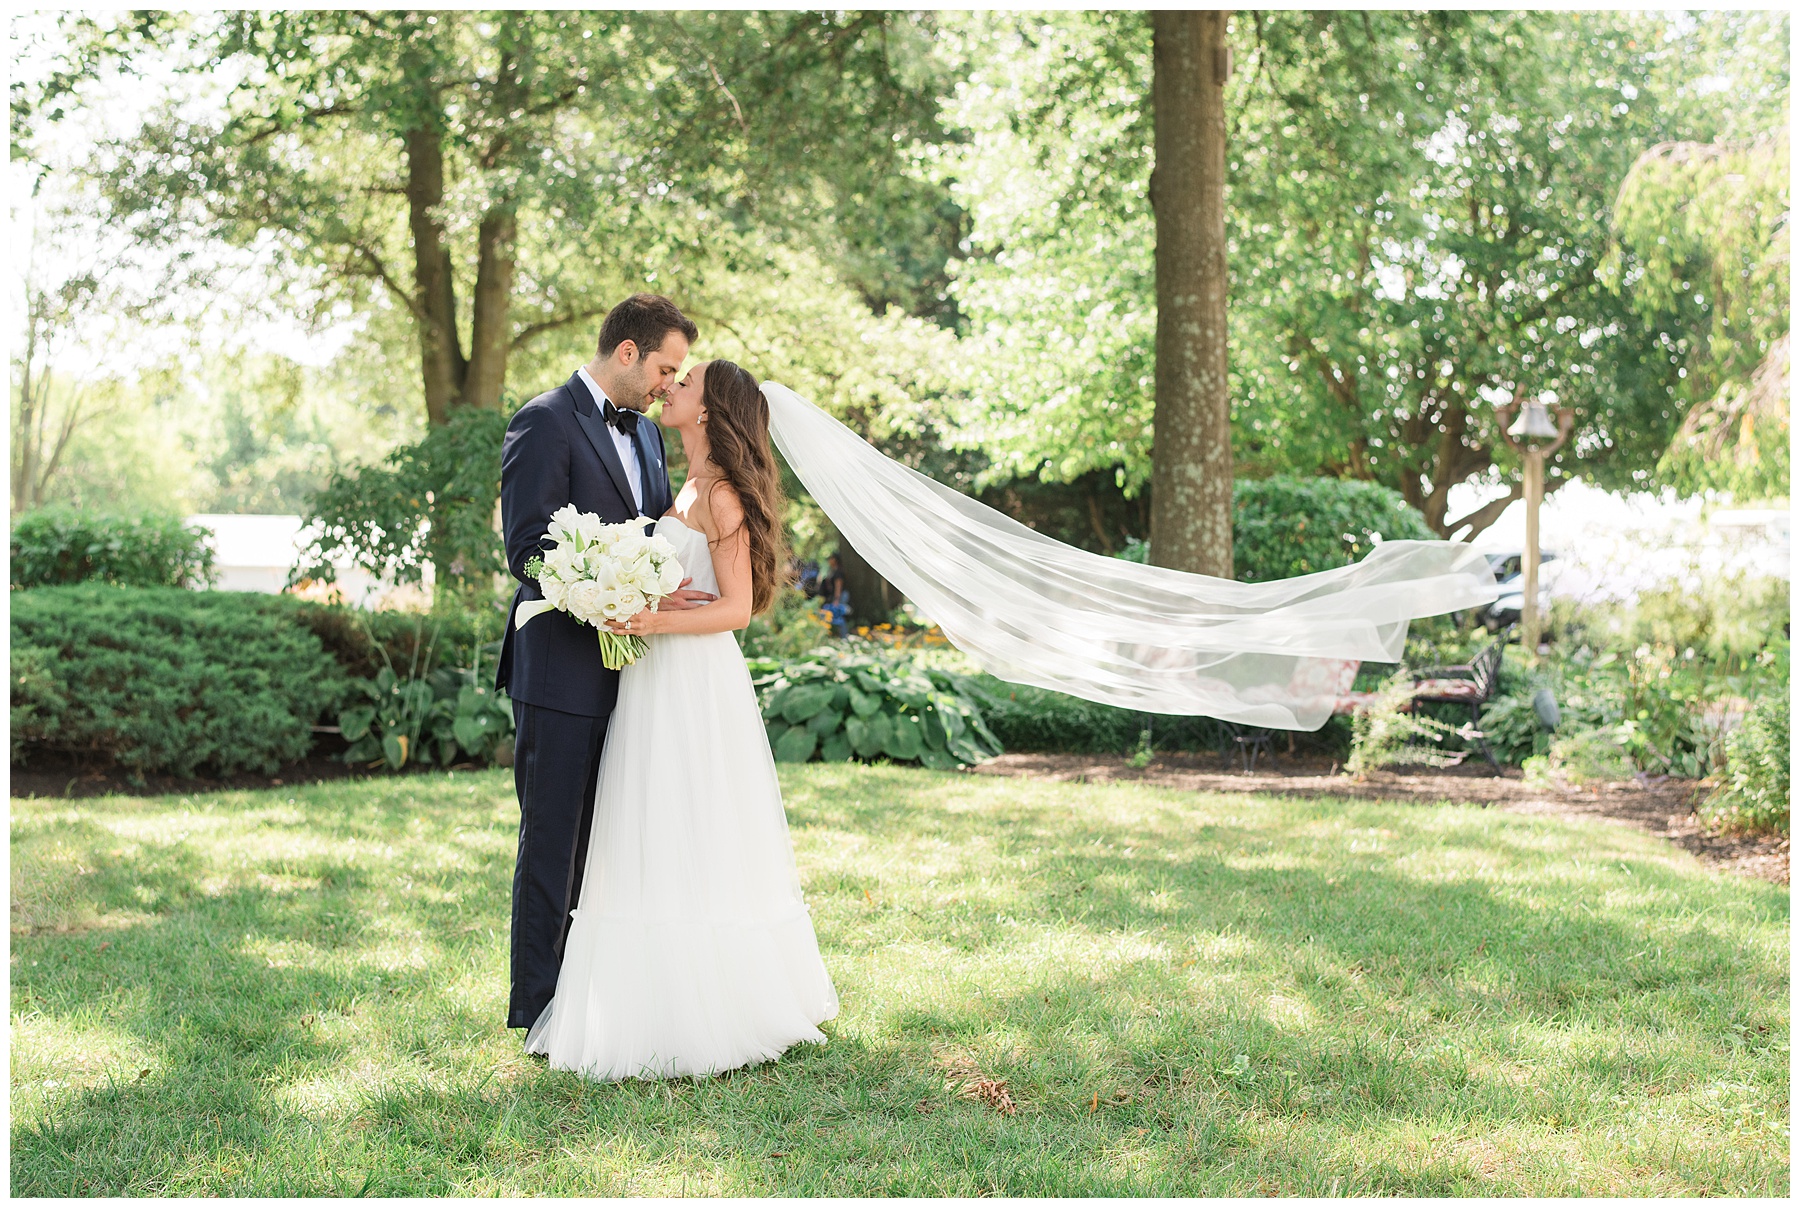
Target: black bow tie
{"points": [[625, 421]]}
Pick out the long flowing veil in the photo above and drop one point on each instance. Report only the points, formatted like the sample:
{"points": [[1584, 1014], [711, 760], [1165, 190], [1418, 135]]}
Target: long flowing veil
{"points": [[1032, 610]]}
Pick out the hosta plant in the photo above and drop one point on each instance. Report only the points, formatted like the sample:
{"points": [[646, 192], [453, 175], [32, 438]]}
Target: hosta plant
{"points": [[838, 706], [426, 719]]}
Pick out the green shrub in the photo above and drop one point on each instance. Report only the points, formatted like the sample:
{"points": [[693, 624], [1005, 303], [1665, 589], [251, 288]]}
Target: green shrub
{"points": [[445, 701], [428, 502], [1286, 526], [1025, 718], [59, 545], [839, 706], [447, 715], [1755, 793], [1725, 619], [161, 679], [1385, 732], [1580, 756], [364, 642]]}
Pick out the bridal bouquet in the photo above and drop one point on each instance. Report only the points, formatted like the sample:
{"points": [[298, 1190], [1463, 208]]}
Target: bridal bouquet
{"points": [[602, 572]]}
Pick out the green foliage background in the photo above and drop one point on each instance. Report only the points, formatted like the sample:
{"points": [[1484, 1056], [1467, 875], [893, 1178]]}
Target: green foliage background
{"points": [[59, 545], [1286, 526]]}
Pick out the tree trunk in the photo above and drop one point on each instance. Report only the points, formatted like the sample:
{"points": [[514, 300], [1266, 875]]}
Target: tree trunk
{"points": [[491, 341], [26, 435], [440, 349], [872, 598], [1190, 504]]}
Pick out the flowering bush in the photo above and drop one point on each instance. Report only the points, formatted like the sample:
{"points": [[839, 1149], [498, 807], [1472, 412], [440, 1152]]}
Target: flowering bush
{"points": [[902, 637]]}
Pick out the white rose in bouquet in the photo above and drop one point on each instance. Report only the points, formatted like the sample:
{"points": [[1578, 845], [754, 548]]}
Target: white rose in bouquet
{"points": [[599, 572], [585, 601]]}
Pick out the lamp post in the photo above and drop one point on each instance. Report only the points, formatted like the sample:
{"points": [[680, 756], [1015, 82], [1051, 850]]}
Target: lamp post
{"points": [[1533, 438]]}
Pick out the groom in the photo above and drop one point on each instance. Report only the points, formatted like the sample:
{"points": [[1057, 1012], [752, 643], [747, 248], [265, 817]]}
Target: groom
{"points": [[585, 443]]}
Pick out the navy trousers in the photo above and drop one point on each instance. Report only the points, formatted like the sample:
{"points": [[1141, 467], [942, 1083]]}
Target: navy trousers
{"points": [[556, 765]]}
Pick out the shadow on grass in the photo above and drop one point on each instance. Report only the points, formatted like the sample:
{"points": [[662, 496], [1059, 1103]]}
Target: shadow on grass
{"points": [[1269, 1010]]}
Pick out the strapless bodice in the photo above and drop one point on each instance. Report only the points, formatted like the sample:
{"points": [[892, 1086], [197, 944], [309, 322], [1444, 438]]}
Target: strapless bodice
{"points": [[692, 550]]}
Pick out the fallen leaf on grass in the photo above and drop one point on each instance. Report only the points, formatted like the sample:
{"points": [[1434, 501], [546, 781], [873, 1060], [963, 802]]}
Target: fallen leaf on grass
{"points": [[967, 1080], [993, 1092]]}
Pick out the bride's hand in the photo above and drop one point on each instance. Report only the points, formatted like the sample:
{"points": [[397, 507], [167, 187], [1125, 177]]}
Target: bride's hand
{"points": [[640, 625]]}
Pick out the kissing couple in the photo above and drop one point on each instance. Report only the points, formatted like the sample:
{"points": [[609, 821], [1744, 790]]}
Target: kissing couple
{"points": [[658, 925]]}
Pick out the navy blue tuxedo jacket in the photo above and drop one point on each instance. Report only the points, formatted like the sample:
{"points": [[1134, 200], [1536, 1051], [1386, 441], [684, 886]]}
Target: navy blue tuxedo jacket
{"points": [[558, 450]]}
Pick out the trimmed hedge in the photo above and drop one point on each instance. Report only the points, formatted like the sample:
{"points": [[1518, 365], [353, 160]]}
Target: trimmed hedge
{"points": [[162, 679], [436, 640], [57, 545]]}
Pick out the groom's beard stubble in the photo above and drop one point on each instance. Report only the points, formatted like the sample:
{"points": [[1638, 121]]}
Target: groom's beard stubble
{"points": [[639, 385]]}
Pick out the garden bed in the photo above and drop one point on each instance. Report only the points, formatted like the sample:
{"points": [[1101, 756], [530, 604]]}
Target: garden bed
{"points": [[67, 776], [1662, 806]]}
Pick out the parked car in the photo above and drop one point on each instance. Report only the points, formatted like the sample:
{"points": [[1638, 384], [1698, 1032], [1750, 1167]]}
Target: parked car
{"points": [[1508, 568]]}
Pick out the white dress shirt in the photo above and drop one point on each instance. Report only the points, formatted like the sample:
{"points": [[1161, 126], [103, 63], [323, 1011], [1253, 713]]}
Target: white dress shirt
{"points": [[623, 441]]}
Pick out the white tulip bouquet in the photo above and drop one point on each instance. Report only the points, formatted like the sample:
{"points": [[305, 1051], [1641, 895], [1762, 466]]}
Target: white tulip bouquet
{"points": [[602, 572]]}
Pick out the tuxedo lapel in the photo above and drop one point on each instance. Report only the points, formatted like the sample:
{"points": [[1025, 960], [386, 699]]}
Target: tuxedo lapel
{"points": [[656, 474], [587, 414]]}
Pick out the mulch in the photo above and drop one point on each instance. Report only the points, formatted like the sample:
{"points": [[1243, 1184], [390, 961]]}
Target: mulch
{"points": [[1662, 806]]}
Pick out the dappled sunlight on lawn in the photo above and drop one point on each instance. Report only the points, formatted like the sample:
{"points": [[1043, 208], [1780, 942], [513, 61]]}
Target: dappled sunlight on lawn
{"points": [[1182, 994]]}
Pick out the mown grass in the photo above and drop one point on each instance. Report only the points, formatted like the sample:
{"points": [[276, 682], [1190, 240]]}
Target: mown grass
{"points": [[299, 992]]}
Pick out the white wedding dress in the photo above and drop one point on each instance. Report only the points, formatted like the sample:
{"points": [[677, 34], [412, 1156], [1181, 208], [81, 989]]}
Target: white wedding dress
{"points": [[691, 951]]}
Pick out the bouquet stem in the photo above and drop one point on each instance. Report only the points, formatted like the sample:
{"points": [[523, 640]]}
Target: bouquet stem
{"points": [[619, 649]]}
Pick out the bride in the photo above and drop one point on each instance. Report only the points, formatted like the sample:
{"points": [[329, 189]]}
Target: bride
{"points": [[691, 951]]}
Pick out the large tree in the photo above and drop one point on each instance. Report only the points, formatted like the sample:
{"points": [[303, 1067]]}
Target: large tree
{"points": [[1190, 513], [1418, 213], [503, 175]]}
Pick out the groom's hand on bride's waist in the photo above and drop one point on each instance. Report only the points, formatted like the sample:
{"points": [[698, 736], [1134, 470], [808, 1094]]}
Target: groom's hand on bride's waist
{"points": [[685, 597]]}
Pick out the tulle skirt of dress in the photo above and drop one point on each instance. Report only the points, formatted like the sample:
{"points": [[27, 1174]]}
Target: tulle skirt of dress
{"points": [[691, 951]]}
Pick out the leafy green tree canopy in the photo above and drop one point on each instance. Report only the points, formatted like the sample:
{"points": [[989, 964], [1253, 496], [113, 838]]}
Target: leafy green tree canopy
{"points": [[1420, 208], [504, 175]]}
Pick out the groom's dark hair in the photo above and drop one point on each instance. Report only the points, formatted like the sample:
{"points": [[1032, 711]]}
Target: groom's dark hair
{"points": [[646, 320]]}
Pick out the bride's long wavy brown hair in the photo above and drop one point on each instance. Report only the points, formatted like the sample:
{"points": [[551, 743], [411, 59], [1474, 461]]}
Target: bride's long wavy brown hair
{"points": [[737, 435]]}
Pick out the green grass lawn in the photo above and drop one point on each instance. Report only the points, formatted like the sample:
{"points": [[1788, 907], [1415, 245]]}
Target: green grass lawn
{"points": [[300, 992]]}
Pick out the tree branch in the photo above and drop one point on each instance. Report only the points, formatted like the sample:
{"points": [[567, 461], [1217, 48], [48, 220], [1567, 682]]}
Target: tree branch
{"points": [[332, 110], [1477, 521], [532, 331], [379, 270]]}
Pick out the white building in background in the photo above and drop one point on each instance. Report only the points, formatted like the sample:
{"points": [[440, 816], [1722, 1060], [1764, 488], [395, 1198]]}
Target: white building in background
{"points": [[256, 553]]}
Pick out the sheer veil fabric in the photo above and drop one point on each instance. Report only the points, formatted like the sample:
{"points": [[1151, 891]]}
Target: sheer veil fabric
{"points": [[1032, 610]]}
